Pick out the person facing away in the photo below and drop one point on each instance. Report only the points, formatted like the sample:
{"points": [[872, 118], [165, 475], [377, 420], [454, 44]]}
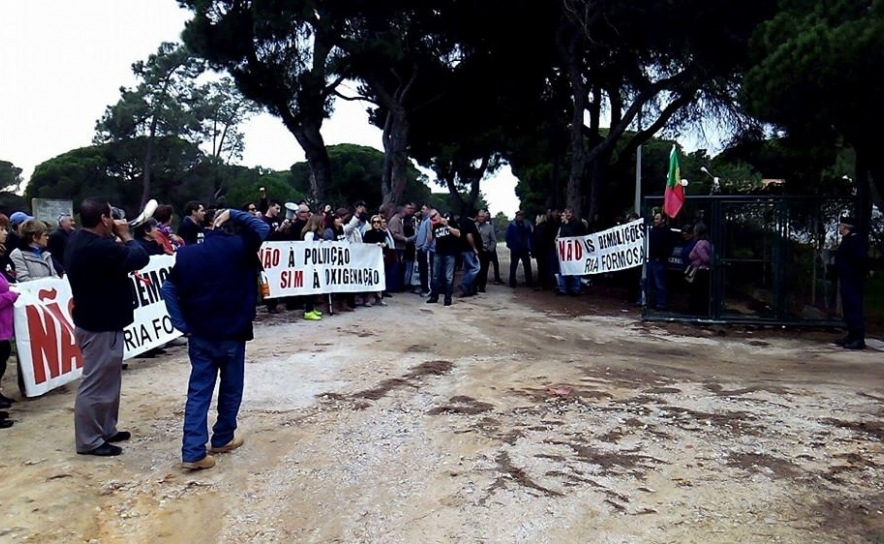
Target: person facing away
{"points": [[852, 267], [211, 294], [98, 270]]}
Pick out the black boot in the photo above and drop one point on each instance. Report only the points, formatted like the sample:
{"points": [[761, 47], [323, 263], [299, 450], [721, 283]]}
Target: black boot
{"points": [[855, 344], [843, 341], [5, 423]]}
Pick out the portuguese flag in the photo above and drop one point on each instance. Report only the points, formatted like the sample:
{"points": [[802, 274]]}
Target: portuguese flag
{"points": [[673, 198]]}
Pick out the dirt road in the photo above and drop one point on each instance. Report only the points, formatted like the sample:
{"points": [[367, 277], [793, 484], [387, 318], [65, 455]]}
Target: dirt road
{"points": [[514, 417]]}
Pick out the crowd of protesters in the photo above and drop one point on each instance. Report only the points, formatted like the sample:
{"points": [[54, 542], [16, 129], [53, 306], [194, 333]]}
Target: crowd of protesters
{"points": [[421, 247]]}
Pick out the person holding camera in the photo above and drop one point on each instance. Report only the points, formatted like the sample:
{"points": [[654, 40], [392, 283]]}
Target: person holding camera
{"points": [[98, 271]]}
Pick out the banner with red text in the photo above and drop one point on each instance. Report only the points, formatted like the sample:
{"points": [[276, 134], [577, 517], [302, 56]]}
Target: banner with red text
{"points": [[44, 331], [309, 268], [610, 250]]}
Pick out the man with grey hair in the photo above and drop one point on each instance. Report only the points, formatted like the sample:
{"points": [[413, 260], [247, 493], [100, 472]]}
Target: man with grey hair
{"points": [[58, 240]]}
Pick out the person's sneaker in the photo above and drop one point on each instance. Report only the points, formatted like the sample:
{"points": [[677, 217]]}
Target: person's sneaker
{"points": [[310, 316], [317, 312], [6, 423], [381, 302], [206, 462], [105, 450], [368, 304], [230, 446], [432, 300], [856, 344]]}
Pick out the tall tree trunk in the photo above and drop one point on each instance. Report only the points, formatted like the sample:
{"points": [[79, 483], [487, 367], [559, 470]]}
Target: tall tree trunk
{"points": [[571, 54], [310, 140], [148, 161], [395, 139], [598, 193]]}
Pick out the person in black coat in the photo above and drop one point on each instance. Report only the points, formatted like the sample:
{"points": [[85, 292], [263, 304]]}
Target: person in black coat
{"points": [[852, 267]]}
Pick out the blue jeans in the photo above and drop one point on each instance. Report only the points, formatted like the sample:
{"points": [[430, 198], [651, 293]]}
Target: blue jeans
{"points": [[657, 283], [207, 359], [470, 272], [568, 284], [443, 276]]}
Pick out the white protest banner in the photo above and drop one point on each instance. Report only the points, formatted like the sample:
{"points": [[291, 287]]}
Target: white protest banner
{"points": [[310, 268], [44, 331], [610, 250], [153, 326]]}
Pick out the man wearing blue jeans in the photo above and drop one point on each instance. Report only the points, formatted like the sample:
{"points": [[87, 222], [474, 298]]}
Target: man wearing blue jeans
{"points": [[447, 239], [211, 294], [470, 242]]}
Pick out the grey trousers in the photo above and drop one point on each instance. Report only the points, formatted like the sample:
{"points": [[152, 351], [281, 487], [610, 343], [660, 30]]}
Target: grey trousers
{"points": [[97, 407]]}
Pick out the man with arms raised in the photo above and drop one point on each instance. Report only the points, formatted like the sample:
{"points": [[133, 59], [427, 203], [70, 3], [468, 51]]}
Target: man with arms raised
{"points": [[98, 270], [211, 294]]}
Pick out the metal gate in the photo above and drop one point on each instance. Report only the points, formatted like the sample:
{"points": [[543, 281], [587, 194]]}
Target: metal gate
{"points": [[771, 260]]}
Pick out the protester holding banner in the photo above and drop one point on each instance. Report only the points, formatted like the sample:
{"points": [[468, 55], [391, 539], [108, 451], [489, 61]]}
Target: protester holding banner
{"points": [[218, 316], [98, 270], [571, 226], [7, 267], [32, 260], [7, 299], [378, 237]]}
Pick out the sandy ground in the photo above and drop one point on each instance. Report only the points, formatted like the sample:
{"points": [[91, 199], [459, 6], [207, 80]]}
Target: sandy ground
{"points": [[512, 417]]}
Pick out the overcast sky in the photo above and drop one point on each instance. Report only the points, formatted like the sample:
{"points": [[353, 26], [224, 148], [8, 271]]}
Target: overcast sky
{"points": [[63, 61]]}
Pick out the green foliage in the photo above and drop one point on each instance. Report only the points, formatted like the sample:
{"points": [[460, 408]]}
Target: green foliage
{"points": [[10, 177], [356, 174], [182, 173], [10, 182], [162, 104]]}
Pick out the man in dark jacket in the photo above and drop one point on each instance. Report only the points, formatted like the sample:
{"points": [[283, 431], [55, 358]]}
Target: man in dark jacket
{"points": [[211, 294], [58, 240], [518, 241], [852, 266], [660, 246], [98, 270], [191, 229]]}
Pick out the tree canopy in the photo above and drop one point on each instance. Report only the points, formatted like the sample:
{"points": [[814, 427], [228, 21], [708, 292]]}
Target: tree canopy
{"points": [[819, 75]]}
